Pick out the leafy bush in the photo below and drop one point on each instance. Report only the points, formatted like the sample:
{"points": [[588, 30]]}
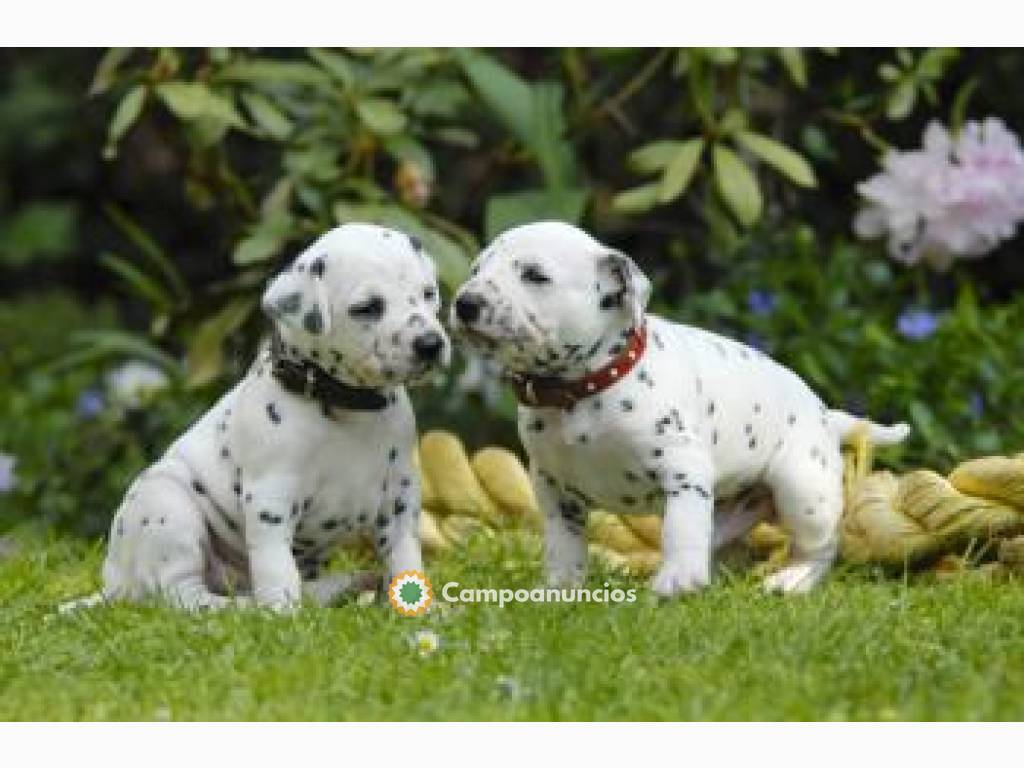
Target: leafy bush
{"points": [[729, 174]]}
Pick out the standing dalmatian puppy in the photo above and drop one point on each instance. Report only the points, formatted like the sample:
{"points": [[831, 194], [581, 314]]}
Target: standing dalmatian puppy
{"points": [[627, 411], [312, 449]]}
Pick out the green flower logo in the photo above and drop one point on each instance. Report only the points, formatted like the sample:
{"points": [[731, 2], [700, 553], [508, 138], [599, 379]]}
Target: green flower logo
{"points": [[410, 593]]}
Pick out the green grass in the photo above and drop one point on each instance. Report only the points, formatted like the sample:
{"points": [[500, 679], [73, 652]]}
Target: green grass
{"points": [[862, 647]]}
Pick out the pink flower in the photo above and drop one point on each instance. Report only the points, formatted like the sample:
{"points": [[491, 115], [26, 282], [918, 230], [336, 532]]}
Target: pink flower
{"points": [[955, 198]]}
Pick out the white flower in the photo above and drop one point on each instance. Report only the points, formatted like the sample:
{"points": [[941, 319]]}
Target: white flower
{"points": [[426, 642], [135, 382], [953, 198], [7, 477]]}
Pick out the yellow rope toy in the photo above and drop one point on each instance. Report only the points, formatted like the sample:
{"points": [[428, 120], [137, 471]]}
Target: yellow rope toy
{"points": [[907, 520]]}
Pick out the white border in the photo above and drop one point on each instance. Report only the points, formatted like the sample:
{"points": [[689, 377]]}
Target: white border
{"points": [[494, 745], [516, 23]]}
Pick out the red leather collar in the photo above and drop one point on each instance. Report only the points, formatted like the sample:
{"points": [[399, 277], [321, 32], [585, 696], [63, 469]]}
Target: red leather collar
{"points": [[553, 392]]}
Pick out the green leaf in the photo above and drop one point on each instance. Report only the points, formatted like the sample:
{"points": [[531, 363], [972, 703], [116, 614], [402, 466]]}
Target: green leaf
{"points": [[267, 116], [783, 159], [142, 284], [265, 241], [107, 70], [195, 101], [149, 248], [901, 100], [958, 111], [637, 200], [268, 72], [439, 98], [381, 116], [205, 356], [653, 157], [737, 185], [733, 120], [532, 113], [125, 115], [679, 172], [336, 64], [547, 139], [796, 66], [506, 94], [505, 211], [45, 229]]}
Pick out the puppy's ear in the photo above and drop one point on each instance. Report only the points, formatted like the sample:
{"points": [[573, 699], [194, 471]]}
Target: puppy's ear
{"points": [[634, 289], [298, 296]]}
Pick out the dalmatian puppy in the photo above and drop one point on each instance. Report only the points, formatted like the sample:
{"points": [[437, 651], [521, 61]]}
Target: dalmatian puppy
{"points": [[630, 412], [311, 450]]}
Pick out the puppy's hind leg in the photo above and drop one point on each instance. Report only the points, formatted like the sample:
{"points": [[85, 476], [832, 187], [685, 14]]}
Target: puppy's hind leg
{"points": [[809, 500], [160, 546]]}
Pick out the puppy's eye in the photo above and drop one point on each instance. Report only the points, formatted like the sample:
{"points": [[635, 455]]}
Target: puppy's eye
{"points": [[371, 309], [429, 293], [533, 275]]}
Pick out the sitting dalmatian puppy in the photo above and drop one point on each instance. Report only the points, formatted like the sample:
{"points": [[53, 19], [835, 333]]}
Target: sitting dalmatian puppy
{"points": [[630, 412], [312, 449]]}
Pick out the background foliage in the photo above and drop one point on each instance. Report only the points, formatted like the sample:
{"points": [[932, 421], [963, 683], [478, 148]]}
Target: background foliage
{"points": [[146, 196]]}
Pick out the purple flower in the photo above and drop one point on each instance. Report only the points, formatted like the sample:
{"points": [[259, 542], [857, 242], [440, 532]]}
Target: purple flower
{"points": [[7, 477], [976, 404], [761, 303], [90, 403], [916, 323]]}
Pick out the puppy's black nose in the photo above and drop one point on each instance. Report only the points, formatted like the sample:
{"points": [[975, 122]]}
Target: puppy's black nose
{"points": [[467, 307], [428, 346]]}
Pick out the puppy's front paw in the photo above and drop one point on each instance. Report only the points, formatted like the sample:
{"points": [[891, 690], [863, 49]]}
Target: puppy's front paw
{"points": [[565, 578], [677, 578], [278, 601]]}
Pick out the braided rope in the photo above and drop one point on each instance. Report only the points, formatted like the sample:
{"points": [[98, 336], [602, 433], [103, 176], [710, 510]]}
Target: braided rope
{"points": [[913, 519]]}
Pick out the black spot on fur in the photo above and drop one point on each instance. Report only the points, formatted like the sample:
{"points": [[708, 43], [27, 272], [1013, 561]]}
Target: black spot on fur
{"points": [[329, 524], [316, 269], [382, 521], [313, 322], [272, 413], [289, 304], [270, 519], [415, 243], [393, 455], [198, 487]]}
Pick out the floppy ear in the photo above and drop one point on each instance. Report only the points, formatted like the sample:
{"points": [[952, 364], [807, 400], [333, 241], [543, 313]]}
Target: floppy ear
{"points": [[298, 297], [634, 285]]}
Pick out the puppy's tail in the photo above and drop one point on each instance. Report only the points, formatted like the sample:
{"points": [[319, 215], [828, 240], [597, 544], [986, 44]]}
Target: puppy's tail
{"points": [[879, 434], [90, 601]]}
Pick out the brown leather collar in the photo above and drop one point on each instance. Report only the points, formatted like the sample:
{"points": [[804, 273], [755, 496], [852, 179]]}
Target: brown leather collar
{"points": [[553, 392], [306, 378]]}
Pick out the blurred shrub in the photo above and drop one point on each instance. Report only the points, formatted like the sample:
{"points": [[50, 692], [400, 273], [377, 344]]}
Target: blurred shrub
{"points": [[186, 177]]}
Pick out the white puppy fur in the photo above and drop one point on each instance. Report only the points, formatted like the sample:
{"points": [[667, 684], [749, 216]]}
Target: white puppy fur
{"points": [[699, 418], [249, 503]]}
